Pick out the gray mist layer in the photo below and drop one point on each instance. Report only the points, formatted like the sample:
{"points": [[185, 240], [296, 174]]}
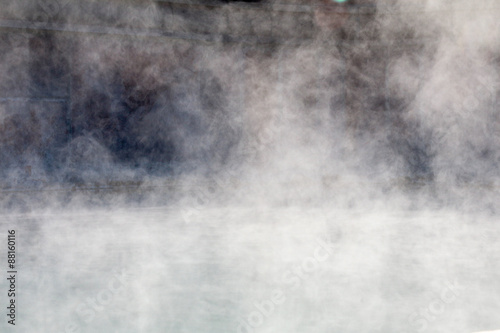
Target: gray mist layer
{"points": [[235, 167]]}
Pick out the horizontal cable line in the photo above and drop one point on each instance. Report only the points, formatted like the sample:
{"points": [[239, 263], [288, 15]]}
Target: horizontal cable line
{"points": [[310, 7], [203, 37], [27, 99]]}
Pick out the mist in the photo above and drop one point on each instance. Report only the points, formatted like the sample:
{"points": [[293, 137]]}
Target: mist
{"points": [[251, 166]]}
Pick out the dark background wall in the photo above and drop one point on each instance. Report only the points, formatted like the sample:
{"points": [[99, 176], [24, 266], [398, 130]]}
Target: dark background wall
{"points": [[93, 84]]}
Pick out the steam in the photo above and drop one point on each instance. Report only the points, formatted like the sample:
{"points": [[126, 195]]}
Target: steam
{"points": [[212, 146]]}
